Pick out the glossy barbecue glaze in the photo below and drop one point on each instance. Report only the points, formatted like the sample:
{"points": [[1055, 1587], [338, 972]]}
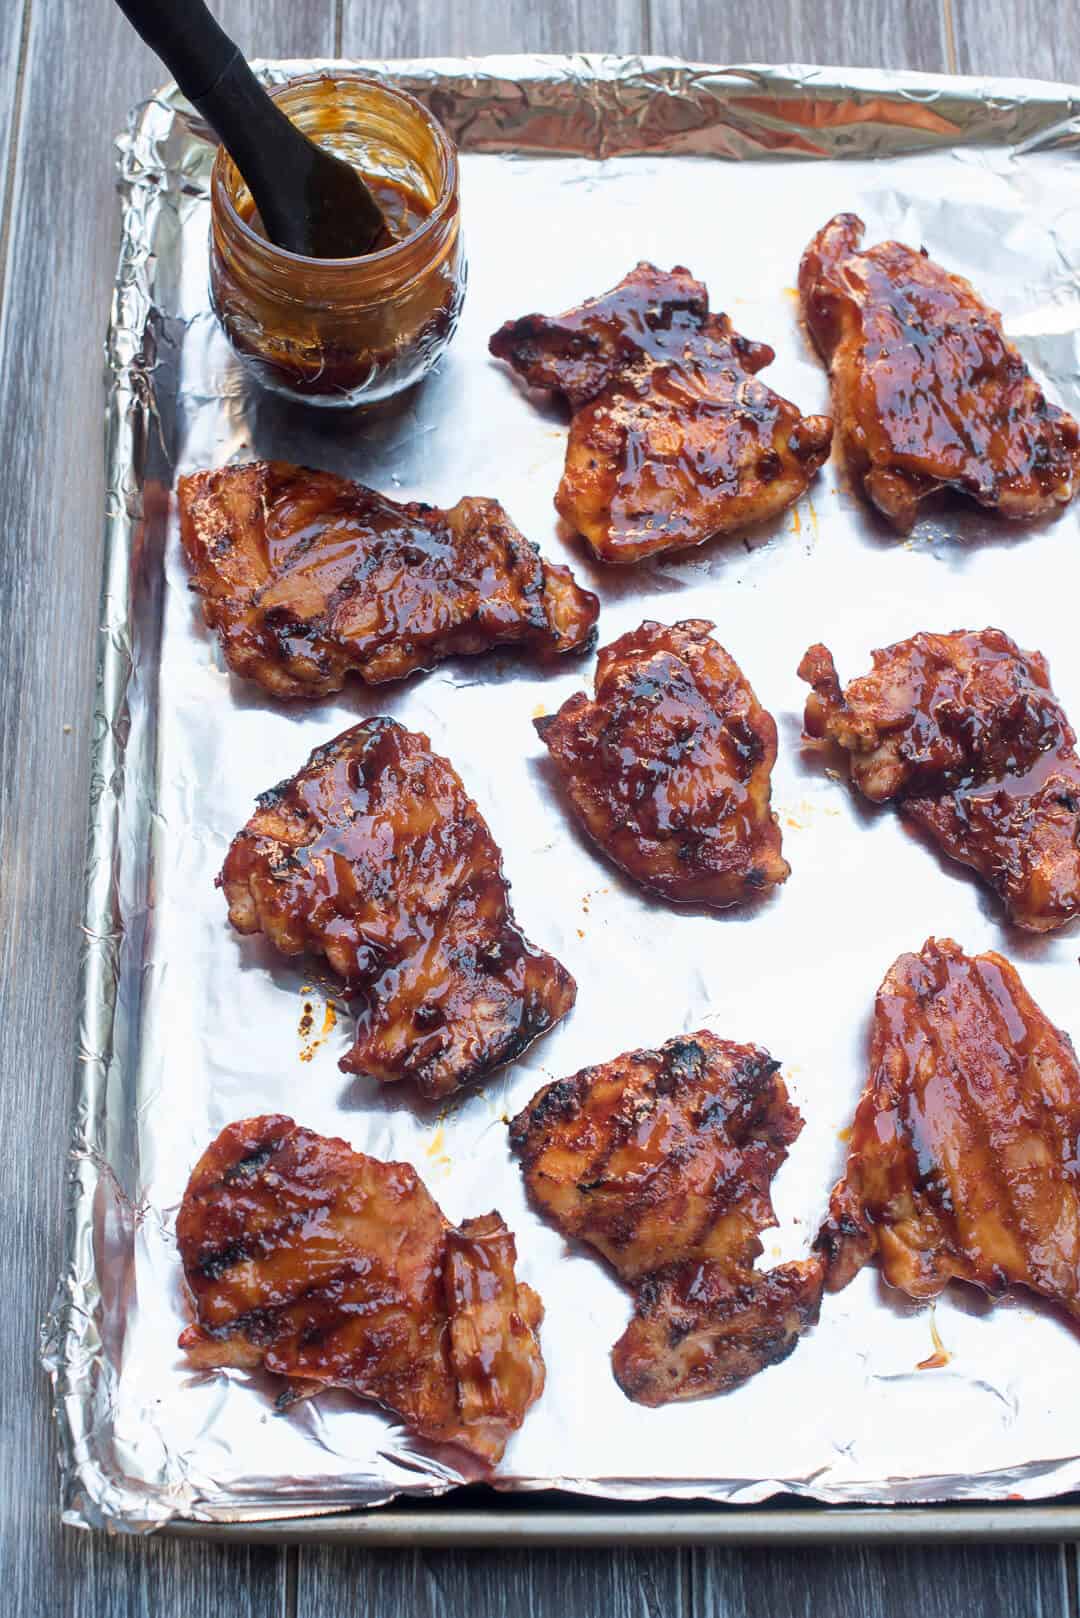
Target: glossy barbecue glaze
{"points": [[964, 732], [307, 577], [963, 1159], [927, 390], [375, 856], [663, 1160], [669, 766], [337, 1270], [673, 439]]}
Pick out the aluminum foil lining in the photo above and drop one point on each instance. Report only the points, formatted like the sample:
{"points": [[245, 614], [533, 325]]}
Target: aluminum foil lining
{"points": [[575, 168]]}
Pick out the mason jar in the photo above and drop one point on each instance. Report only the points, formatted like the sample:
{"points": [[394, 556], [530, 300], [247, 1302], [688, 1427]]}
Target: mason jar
{"points": [[351, 331]]}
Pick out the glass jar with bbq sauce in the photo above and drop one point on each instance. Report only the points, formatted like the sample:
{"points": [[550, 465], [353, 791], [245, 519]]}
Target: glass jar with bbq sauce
{"points": [[340, 332]]}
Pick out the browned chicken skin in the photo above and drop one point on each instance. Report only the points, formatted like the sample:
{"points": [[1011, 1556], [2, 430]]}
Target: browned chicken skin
{"points": [[964, 732], [578, 353], [308, 577], [673, 439], [669, 766], [963, 1159], [663, 1160], [928, 393], [375, 856], [337, 1270]]}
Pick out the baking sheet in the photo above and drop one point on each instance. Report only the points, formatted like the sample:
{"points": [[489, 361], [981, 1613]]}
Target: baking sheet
{"points": [[574, 169]]}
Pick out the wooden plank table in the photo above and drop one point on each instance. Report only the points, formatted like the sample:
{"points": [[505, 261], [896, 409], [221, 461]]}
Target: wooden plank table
{"points": [[69, 69]]}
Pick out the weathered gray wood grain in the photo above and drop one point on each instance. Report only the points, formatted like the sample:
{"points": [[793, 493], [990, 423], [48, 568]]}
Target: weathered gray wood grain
{"points": [[1033, 40], [13, 31], [83, 66], [909, 1582], [93, 1576], [1024, 1581], [853, 33], [495, 1584], [387, 28]]}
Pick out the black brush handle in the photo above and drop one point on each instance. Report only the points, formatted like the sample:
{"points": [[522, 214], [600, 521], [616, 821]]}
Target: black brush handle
{"points": [[279, 163], [194, 47]]}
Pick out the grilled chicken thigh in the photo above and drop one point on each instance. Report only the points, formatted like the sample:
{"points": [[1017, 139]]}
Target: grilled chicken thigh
{"points": [[307, 577], [673, 438], [669, 766], [337, 1270], [964, 733], [928, 393], [375, 856], [663, 1160], [644, 317], [962, 1160]]}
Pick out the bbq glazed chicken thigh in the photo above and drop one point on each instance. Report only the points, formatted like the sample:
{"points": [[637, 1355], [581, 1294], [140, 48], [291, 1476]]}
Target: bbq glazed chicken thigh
{"points": [[307, 577], [333, 1269], [375, 856], [668, 766], [673, 438], [962, 1162], [964, 733], [663, 1160], [928, 393]]}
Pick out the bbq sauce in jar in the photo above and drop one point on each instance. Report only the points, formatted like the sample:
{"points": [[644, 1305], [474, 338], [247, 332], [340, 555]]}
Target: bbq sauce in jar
{"points": [[344, 332], [403, 209]]}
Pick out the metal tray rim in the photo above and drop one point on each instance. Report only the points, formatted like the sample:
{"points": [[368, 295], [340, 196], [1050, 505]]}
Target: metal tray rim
{"points": [[513, 1526]]}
